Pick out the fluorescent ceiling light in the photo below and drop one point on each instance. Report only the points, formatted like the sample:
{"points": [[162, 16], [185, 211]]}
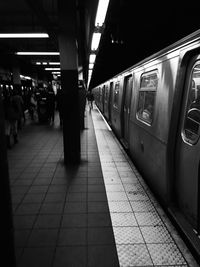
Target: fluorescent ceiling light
{"points": [[95, 40], [88, 82], [91, 66], [37, 53], [101, 12], [92, 58], [90, 73], [24, 35], [47, 63], [56, 72], [52, 68], [54, 63], [25, 77]]}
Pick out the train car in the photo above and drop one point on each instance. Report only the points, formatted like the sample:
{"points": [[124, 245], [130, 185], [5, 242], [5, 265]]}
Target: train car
{"points": [[154, 109]]}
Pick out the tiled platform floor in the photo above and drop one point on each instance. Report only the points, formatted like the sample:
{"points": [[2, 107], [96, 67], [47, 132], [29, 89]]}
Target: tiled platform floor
{"points": [[63, 217]]}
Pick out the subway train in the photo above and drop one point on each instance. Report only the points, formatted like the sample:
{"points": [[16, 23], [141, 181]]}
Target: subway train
{"points": [[153, 108]]}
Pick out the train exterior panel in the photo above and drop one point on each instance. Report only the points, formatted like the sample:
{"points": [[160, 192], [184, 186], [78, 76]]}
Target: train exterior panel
{"points": [[148, 143], [116, 96], [154, 109]]}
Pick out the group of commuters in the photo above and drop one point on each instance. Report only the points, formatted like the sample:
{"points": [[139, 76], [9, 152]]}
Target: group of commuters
{"points": [[14, 110], [42, 104]]}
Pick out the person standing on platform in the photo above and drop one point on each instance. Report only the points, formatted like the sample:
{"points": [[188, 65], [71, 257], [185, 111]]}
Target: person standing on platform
{"points": [[90, 98], [82, 102], [51, 105], [17, 103], [32, 106], [60, 105], [11, 118]]}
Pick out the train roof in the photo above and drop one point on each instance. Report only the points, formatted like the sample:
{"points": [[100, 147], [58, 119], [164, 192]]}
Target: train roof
{"points": [[177, 45]]}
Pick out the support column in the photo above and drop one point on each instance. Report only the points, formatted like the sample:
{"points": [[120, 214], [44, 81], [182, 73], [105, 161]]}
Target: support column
{"points": [[69, 80]]}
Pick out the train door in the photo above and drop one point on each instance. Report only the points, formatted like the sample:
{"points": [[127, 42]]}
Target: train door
{"points": [[103, 99], [110, 103], [106, 101], [188, 148], [126, 108]]}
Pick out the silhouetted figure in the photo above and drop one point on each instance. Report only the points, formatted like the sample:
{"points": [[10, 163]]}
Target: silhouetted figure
{"points": [[51, 105], [90, 99], [60, 105], [11, 117], [32, 106], [82, 103], [18, 104]]}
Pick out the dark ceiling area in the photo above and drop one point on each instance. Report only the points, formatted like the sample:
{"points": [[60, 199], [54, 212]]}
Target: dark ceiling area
{"points": [[33, 16], [135, 30], [20, 16]]}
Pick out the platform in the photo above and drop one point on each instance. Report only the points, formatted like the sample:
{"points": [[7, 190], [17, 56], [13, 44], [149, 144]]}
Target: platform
{"points": [[98, 214]]}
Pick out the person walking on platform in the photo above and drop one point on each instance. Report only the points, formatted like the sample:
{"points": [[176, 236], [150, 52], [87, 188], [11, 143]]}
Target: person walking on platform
{"points": [[59, 105], [18, 104], [32, 106], [11, 117], [82, 102], [90, 98], [51, 105]]}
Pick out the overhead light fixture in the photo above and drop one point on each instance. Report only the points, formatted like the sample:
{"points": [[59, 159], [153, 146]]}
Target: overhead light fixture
{"points": [[101, 12], [25, 77], [95, 40], [91, 66], [88, 81], [55, 72], [92, 58], [52, 68], [47, 63], [37, 53], [24, 35], [90, 73], [54, 63]]}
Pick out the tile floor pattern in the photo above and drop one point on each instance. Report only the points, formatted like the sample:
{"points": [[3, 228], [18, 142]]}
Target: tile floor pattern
{"points": [[143, 234], [63, 217]]}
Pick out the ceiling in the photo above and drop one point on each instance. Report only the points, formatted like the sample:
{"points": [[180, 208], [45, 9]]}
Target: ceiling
{"points": [[132, 31], [140, 29], [41, 16]]}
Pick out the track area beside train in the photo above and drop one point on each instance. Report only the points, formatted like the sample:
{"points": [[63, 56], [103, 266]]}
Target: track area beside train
{"points": [[143, 233]]}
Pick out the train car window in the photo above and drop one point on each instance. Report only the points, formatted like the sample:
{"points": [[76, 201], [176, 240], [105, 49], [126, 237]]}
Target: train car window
{"points": [[116, 95], [106, 94], [100, 94], [147, 94], [191, 131]]}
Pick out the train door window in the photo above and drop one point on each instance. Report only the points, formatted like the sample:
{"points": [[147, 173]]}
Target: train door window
{"points": [[100, 94], [116, 95], [191, 131], [111, 92], [147, 94], [106, 94]]}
